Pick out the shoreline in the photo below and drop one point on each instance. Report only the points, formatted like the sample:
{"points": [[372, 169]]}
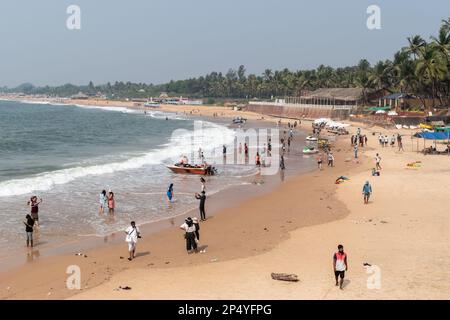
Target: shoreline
{"points": [[117, 243]]}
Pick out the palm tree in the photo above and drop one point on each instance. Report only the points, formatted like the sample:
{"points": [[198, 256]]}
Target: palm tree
{"points": [[442, 42], [415, 43], [381, 74], [431, 68], [362, 80]]}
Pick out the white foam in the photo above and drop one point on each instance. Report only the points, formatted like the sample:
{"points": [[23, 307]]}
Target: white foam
{"points": [[213, 136]]}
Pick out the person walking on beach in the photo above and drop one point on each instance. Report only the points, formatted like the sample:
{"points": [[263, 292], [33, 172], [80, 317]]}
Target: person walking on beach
{"points": [[399, 142], [29, 224], [319, 161], [133, 234], [189, 229], [340, 265], [282, 166], [34, 208], [377, 162], [258, 160], [330, 160], [367, 191], [170, 192], [103, 202], [202, 198]]}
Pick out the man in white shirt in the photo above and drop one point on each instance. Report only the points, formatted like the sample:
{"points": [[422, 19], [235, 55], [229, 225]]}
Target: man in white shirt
{"points": [[131, 238], [189, 228]]}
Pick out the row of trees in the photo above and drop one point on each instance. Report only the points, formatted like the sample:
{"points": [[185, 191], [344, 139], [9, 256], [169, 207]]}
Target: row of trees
{"points": [[420, 68]]}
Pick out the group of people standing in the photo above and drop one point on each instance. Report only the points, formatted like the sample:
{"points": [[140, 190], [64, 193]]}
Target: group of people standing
{"points": [[107, 201], [385, 141], [32, 219]]}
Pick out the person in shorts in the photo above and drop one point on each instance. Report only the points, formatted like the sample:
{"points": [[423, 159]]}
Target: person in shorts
{"points": [[340, 265], [29, 224]]}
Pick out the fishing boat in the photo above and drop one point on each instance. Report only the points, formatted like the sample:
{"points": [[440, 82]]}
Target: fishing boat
{"points": [[239, 120], [192, 169], [310, 150], [311, 138], [152, 104]]}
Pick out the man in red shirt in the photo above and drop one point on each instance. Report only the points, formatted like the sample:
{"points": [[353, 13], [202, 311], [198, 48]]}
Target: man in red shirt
{"points": [[340, 265]]}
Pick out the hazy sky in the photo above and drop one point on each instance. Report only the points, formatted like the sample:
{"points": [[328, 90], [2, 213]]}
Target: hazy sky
{"points": [[159, 40]]}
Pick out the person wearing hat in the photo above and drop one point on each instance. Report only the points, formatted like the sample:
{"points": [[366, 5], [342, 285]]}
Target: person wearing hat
{"points": [[202, 198], [197, 227], [189, 228]]}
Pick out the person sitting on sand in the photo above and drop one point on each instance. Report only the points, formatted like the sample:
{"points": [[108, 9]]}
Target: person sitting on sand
{"points": [[133, 234], [340, 265], [367, 191], [189, 229], [341, 179]]}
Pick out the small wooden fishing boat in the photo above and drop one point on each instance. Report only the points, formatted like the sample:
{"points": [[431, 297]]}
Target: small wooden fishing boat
{"points": [[192, 169], [309, 150]]}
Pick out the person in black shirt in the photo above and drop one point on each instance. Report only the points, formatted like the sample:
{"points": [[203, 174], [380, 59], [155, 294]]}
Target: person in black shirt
{"points": [[202, 198], [29, 224]]}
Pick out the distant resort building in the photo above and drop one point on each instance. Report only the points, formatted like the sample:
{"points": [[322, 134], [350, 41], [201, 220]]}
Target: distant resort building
{"points": [[80, 96], [324, 102], [165, 99]]}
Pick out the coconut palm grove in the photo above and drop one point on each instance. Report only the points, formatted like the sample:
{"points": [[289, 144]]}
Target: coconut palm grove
{"points": [[420, 68]]}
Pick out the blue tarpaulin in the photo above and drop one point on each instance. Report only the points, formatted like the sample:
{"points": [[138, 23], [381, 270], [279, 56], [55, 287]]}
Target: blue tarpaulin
{"points": [[433, 135]]}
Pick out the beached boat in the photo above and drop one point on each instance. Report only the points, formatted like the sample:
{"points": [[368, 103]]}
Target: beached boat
{"points": [[310, 150], [152, 104], [239, 120], [311, 138], [192, 169]]}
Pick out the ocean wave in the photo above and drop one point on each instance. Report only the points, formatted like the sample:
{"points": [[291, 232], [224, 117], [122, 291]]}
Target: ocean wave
{"points": [[213, 136]]}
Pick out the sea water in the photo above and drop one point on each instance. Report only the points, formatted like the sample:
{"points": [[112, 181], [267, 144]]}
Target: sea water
{"points": [[68, 154]]}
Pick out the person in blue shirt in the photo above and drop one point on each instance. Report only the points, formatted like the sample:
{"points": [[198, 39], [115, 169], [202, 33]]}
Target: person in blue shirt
{"points": [[170, 192], [367, 191]]}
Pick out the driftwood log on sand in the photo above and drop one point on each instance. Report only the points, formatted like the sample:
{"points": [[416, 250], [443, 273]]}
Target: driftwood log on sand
{"points": [[284, 277]]}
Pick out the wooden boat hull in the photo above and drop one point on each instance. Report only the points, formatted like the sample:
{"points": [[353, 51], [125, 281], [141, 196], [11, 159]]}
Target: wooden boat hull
{"points": [[187, 170]]}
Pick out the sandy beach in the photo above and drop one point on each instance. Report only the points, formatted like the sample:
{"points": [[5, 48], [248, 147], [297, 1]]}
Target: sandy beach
{"points": [[402, 233]]}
